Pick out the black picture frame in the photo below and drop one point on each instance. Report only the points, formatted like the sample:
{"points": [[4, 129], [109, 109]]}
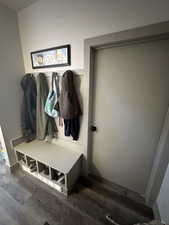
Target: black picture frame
{"points": [[40, 54]]}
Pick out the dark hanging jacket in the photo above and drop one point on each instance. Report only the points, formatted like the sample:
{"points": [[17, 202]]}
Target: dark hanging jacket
{"points": [[46, 125], [69, 106], [28, 110]]}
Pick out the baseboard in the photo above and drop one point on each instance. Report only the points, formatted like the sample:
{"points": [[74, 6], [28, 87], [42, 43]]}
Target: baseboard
{"points": [[123, 189], [130, 197], [156, 212], [16, 141]]}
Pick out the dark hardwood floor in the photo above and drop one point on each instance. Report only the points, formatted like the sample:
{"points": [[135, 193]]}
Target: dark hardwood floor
{"points": [[27, 201]]}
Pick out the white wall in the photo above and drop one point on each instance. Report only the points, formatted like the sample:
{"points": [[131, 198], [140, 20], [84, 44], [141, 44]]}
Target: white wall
{"points": [[56, 22], [163, 199], [11, 70], [51, 23]]}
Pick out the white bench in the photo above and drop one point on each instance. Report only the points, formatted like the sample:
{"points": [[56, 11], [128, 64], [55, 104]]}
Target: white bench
{"points": [[55, 158]]}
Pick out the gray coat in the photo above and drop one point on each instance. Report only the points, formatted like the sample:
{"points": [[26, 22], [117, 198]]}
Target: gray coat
{"points": [[46, 125]]}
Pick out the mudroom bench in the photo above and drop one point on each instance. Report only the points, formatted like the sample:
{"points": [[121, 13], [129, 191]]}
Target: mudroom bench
{"points": [[51, 163]]}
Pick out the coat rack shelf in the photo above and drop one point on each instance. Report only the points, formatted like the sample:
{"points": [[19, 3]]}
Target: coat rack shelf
{"points": [[56, 166]]}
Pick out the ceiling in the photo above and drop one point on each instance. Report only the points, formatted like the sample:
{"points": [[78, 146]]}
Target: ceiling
{"points": [[17, 4]]}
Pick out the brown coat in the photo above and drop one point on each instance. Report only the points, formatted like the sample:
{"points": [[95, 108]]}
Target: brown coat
{"points": [[69, 105]]}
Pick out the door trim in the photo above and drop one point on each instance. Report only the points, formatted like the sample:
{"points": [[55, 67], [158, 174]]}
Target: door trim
{"points": [[148, 33]]}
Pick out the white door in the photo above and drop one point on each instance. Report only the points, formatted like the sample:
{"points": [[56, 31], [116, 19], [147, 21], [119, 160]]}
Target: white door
{"points": [[131, 97]]}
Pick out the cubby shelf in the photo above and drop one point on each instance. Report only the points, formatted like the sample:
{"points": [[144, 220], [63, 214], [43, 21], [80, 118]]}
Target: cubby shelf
{"points": [[52, 164]]}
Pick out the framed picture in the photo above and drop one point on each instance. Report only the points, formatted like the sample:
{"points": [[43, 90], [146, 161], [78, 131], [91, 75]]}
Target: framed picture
{"points": [[52, 57]]}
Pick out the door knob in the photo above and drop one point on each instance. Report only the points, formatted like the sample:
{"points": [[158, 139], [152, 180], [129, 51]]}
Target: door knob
{"points": [[93, 128]]}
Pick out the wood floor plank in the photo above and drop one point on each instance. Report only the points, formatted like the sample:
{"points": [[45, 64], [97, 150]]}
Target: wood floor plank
{"points": [[37, 210], [5, 218], [16, 191], [24, 200], [15, 210]]}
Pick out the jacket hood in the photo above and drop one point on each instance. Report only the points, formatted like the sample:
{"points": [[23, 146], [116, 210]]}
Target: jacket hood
{"points": [[67, 81], [27, 80]]}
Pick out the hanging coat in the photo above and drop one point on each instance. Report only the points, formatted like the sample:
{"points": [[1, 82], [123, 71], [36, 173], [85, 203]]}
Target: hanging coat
{"points": [[46, 125], [69, 106], [28, 110]]}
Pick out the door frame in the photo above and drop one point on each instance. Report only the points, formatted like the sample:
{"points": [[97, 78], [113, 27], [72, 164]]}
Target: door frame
{"points": [[148, 33]]}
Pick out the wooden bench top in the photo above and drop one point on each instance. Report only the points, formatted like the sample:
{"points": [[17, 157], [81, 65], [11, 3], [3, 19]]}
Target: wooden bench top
{"points": [[50, 154]]}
